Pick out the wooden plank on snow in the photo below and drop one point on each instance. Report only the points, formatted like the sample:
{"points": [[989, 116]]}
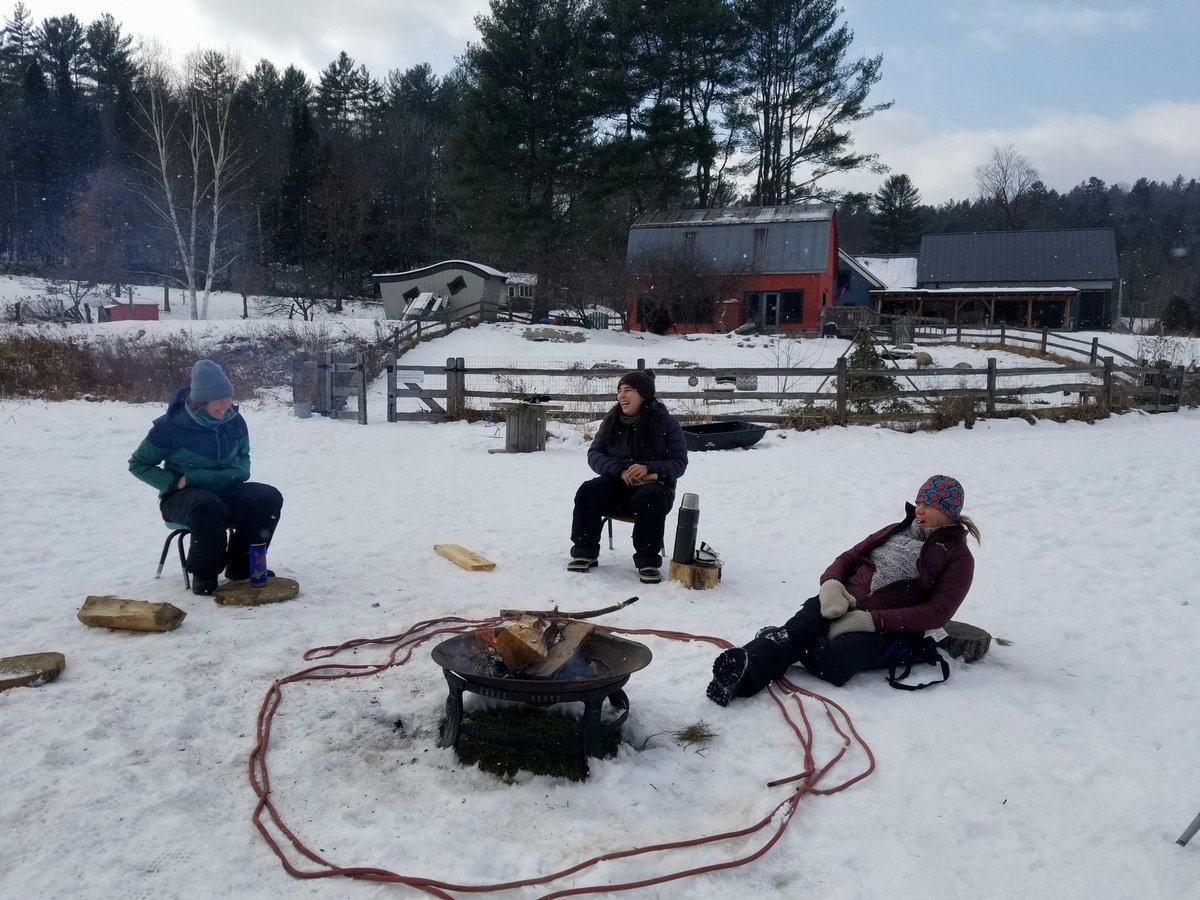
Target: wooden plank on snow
{"points": [[465, 558]]}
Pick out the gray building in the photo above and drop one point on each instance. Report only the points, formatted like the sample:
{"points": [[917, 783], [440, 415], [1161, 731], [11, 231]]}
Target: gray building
{"points": [[454, 287]]}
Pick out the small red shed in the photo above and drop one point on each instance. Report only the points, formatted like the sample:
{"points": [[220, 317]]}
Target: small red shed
{"points": [[124, 312]]}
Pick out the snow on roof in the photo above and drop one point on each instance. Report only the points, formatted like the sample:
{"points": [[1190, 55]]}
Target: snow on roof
{"points": [[741, 215], [446, 263], [522, 278], [897, 272]]}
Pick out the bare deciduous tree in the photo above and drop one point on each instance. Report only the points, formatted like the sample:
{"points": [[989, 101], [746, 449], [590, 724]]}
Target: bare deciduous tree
{"points": [[192, 162], [1005, 180]]}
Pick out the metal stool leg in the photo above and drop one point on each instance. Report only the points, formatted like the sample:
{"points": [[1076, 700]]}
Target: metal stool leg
{"points": [[177, 534], [609, 521]]}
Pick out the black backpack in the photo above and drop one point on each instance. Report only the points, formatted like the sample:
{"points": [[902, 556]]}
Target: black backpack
{"points": [[910, 651]]}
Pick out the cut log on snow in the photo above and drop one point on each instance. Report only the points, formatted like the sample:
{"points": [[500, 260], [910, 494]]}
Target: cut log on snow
{"points": [[696, 576], [130, 615], [523, 643], [464, 558], [32, 669], [966, 641], [572, 637], [243, 593]]}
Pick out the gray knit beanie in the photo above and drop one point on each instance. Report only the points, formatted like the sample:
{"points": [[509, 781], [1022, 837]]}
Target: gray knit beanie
{"points": [[209, 382]]}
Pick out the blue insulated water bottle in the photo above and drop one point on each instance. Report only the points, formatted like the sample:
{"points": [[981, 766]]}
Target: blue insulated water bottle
{"points": [[258, 564], [686, 529]]}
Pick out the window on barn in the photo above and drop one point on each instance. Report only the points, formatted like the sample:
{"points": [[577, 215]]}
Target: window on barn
{"points": [[456, 285], [411, 294], [689, 242], [791, 310]]}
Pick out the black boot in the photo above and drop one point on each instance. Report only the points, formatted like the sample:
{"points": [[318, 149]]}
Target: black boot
{"points": [[728, 670], [204, 586]]}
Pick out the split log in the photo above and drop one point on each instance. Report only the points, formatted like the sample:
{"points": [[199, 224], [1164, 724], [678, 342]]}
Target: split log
{"points": [[31, 669], [966, 641], [243, 593], [523, 643], [464, 558], [573, 635], [129, 615], [694, 575]]}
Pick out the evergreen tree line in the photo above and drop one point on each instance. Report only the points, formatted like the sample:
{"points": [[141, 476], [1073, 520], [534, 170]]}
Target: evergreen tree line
{"points": [[557, 128]]}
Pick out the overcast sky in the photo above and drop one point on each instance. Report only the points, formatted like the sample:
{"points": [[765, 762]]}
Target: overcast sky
{"points": [[1096, 87]]}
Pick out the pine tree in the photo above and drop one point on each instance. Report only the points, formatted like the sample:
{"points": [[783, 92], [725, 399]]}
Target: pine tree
{"points": [[803, 95], [896, 220]]}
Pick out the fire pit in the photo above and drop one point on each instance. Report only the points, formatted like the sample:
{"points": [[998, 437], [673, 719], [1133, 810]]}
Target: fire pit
{"points": [[599, 669]]}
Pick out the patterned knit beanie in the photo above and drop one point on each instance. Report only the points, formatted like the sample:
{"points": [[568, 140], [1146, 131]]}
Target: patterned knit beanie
{"points": [[209, 383], [641, 380], [944, 493]]}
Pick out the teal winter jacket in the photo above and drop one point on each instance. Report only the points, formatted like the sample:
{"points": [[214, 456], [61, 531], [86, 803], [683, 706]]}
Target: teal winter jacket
{"points": [[212, 456]]}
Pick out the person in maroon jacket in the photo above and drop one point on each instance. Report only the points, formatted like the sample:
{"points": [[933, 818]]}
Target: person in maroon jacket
{"points": [[890, 588]]}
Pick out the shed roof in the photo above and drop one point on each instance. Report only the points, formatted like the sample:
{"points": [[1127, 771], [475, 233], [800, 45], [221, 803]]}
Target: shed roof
{"points": [[411, 274], [1059, 256], [741, 215]]}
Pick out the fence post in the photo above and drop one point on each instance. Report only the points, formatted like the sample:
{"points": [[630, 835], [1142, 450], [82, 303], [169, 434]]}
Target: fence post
{"points": [[391, 384], [958, 335], [325, 385], [362, 388], [1159, 379], [17, 307], [1002, 329], [1095, 351], [842, 390], [456, 382], [1108, 381], [1179, 394], [1045, 331], [991, 385], [641, 364]]}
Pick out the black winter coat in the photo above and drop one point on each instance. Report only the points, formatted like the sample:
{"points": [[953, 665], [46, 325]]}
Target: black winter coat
{"points": [[656, 442]]}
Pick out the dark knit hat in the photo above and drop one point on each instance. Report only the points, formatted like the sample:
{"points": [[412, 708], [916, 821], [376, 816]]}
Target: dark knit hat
{"points": [[641, 380], [209, 382], [944, 493]]}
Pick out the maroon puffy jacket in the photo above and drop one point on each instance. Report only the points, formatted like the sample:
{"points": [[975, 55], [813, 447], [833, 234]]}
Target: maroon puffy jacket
{"points": [[944, 572]]}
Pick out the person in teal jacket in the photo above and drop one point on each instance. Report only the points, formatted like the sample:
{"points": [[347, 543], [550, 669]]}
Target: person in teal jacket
{"points": [[197, 456]]}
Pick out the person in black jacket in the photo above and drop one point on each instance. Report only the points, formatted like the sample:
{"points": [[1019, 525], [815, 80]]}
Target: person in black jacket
{"points": [[638, 453]]}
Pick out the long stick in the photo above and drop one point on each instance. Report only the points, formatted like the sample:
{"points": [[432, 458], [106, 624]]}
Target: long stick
{"points": [[555, 614]]}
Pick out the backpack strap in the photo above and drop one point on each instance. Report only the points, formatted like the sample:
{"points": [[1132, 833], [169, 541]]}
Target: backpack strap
{"points": [[905, 656]]}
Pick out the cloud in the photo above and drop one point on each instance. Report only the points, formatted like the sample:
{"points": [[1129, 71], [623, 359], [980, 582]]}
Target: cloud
{"points": [[1156, 141], [1002, 25]]}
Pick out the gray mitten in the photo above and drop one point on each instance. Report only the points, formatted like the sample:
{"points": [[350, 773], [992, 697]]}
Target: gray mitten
{"points": [[835, 599], [855, 620]]}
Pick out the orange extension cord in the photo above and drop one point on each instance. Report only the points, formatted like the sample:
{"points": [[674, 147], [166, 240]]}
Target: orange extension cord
{"points": [[788, 697]]}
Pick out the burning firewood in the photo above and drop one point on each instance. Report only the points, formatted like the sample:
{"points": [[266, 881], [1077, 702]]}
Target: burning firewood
{"points": [[540, 647]]}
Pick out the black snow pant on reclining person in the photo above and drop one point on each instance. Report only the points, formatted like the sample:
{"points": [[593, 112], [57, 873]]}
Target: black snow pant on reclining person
{"points": [[802, 639], [250, 509]]}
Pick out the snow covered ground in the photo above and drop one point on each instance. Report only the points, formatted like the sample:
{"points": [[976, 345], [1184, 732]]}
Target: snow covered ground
{"points": [[1061, 765]]}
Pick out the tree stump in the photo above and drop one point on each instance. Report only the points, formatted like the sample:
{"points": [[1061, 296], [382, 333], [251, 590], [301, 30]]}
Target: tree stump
{"points": [[130, 615], [695, 576], [525, 428], [966, 641], [243, 593], [32, 669]]}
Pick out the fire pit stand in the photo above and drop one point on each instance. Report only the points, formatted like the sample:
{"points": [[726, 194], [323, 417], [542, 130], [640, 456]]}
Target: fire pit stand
{"points": [[605, 664], [593, 728]]}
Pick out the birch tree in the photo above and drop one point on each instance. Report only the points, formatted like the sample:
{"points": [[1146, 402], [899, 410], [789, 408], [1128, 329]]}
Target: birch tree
{"points": [[192, 161]]}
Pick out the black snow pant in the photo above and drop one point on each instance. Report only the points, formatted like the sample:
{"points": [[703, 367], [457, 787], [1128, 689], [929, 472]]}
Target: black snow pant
{"points": [[803, 639], [249, 508], [604, 496]]}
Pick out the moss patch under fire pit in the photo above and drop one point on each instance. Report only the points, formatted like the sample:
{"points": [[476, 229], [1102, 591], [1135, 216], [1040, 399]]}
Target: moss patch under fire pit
{"points": [[558, 754]]}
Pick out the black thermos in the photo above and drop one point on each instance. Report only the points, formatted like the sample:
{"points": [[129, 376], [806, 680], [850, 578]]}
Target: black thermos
{"points": [[686, 529]]}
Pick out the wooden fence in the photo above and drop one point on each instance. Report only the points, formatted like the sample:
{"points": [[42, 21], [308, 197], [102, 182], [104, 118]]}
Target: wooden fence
{"points": [[838, 398]]}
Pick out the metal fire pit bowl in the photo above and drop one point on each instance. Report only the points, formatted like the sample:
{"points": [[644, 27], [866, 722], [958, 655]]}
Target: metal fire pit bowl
{"points": [[601, 668]]}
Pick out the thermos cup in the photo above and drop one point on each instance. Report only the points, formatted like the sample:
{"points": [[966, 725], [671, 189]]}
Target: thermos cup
{"points": [[686, 529]]}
